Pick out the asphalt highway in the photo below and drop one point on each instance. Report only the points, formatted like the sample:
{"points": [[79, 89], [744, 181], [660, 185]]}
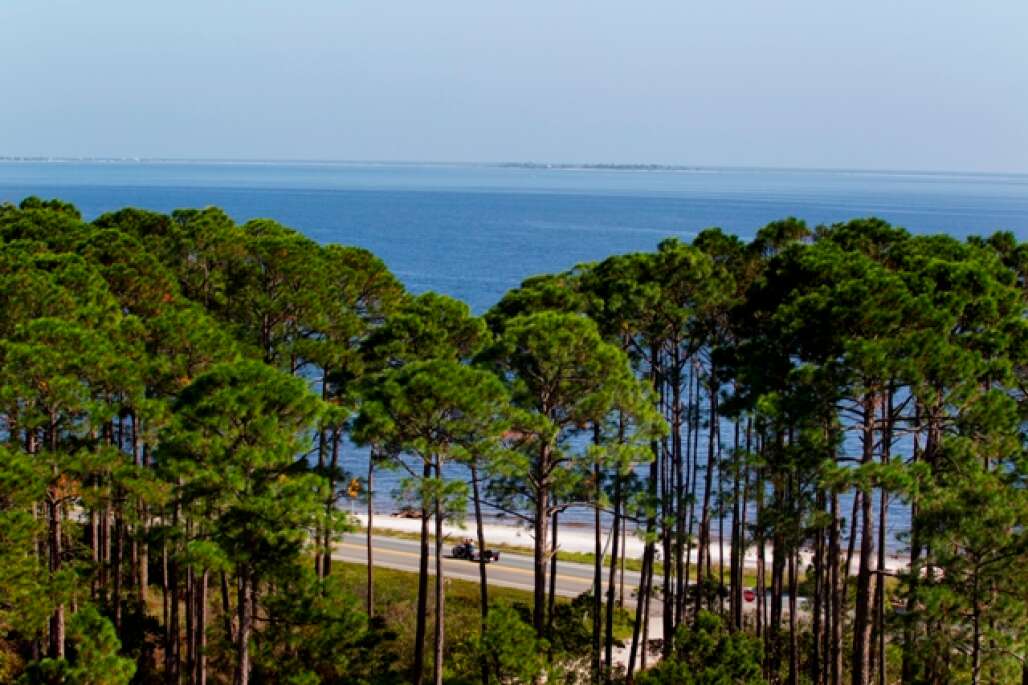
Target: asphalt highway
{"points": [[512, 570]]}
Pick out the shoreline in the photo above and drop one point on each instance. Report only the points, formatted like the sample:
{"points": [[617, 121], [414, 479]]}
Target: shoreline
{"points": [[577, 538]]}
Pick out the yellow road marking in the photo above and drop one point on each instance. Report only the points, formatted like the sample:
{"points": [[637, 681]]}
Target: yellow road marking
{"points": [[456, 562]]}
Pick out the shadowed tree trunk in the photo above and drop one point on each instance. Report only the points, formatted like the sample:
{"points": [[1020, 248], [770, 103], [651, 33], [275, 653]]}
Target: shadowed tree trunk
{"points": [[140, 556], [611, 581], [245, 610], [642, 617], [817, 622], [483, 584], [171, 633], [908, 667], [440, 584], [666, 531], [542, 517], [597, 563], [883, 505], [552, 598], [419, 631], [646, 620], [794, 650], [56, 647], [320, 536], [703, 553], [201, 628], [835, 582], [370, 604], [56, 534], [761, 557], [333, 467], [640, 608], [190, 602], [226, 610], [678, 490], [684, 498], [862, 615], [735, 551]]}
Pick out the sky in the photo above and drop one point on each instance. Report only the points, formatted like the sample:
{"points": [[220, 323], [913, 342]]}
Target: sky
{"points": [[875, 84]]}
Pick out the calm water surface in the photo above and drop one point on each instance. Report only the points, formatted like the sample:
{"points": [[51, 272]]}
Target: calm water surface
{"points": [[475, 231]]}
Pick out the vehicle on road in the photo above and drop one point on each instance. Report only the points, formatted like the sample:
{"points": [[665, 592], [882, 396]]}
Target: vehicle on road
{"points": [[467, 550]]}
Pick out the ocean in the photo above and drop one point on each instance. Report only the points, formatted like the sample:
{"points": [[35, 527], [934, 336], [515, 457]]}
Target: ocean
{"points": [[474, 231]]}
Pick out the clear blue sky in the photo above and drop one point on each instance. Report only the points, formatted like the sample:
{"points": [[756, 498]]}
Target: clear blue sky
{"points": [[896, 84]]}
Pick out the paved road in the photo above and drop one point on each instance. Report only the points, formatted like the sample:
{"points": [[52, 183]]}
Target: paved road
{"points": [[512, 570]]}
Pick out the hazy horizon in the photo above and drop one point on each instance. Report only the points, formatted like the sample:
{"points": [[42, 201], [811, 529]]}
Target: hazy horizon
{"points": [[540, 164], [919, 86]]}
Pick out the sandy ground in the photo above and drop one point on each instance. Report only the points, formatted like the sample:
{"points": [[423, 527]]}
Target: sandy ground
{"points": [[570, 538]]}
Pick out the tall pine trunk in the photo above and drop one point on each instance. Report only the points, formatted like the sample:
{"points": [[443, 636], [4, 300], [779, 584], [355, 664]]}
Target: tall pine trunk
{"points": [[761, 556], [817, 621], [370, 547], [201, 628], [440, 584], [835, 582], [684, 483], [735, 552], [640, 608], [171, 633], [542, 516], [666, 522], [642, 616], [483, 581], [226, 609], [56, 647], [551, 598], [612, 579], [333, 467], [703, 554], [794, 648], [862, 616], [140, 556], [56, 534], [883, 506], [597, 562], [422, 617], [321, 534], [245, 610], [646, 612], [694, 479], [190, 601], [777, 584], [678, 490], [908, 667]]}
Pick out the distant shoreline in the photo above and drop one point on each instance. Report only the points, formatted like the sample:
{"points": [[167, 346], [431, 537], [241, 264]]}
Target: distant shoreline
{"points": [[526, 165]]}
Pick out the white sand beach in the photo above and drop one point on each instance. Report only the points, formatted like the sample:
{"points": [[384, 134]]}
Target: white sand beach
{"points": [[573, 538]]}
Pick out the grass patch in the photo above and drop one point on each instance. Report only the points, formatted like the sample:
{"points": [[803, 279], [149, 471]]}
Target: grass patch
{"points": [[396, 604]]}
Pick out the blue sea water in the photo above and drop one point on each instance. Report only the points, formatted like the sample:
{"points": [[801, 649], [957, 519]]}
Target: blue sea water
{"points": [[474, 231]]}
